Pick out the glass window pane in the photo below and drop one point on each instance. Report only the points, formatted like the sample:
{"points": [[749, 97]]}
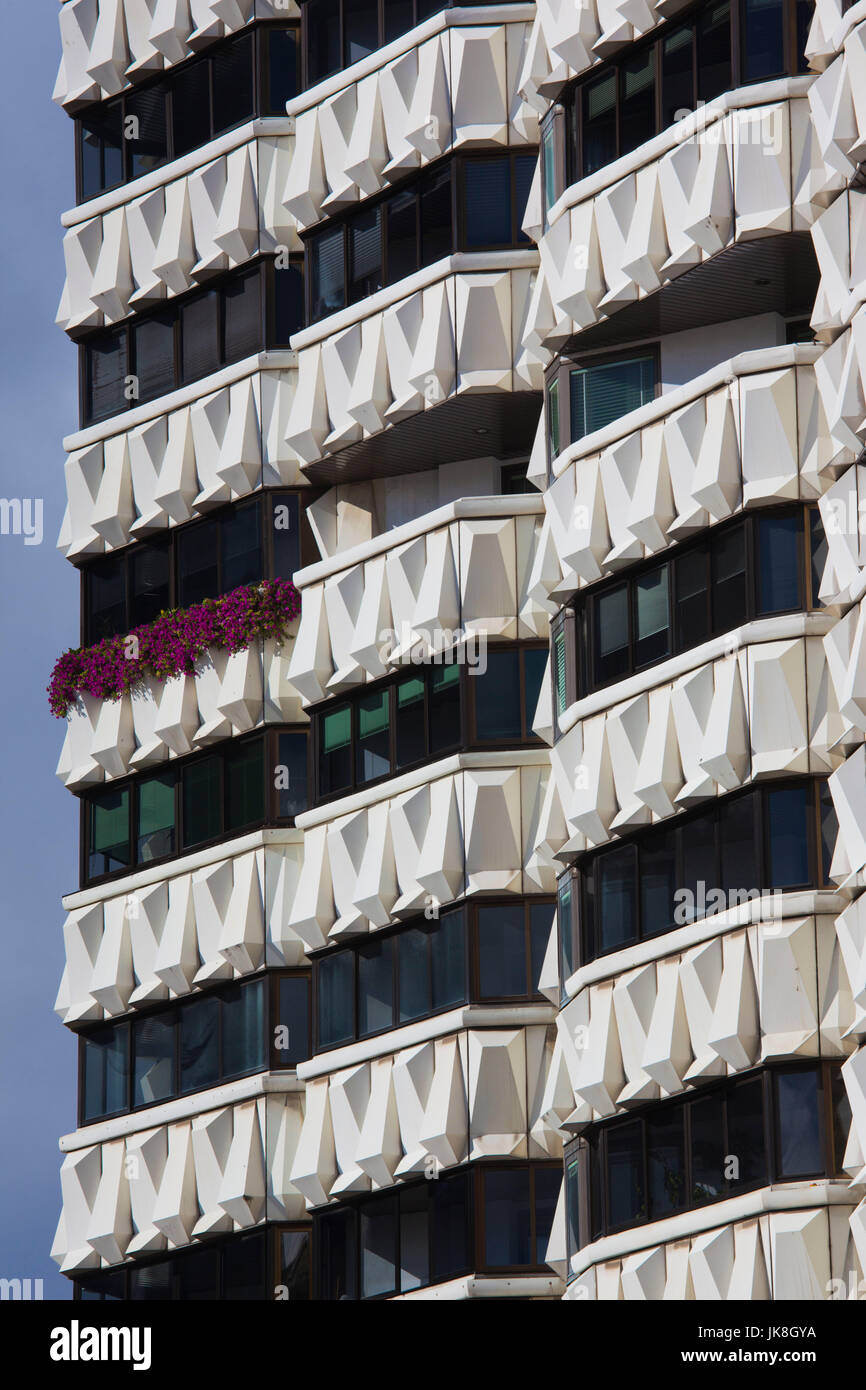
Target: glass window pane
{"points": [[444, 707], [677, 75], [190, 108], [829, 830], [240, 548], [89, 138], [497, 698], [365, 254], [448, 967], [706, 1117], [242, 309], [149, 572], [336, 1253], [450, 1198], [243, 1029], [548, 166], [507, 1218], [762, 39], [154, 1043], [638, 109], [375, 987], [787, 825], [288, 303], [692, 606], [244, 1268], [615, 910], [841, 1118], [327, 273], [198, 1275], [399, 19], [779, 548], [147, 133], [154, 831], [373, 754], [666, 1162], [524, 172], [728, 565], [293, 1020], [553, 441], [107, 367], [109, 833], [335, 996], [414, 1238], [201, 802], [402, 235], [335, 752], [199, 1044], [799, 1100], [598, 122], [154, 356], [737, 836], [541, 921], [745, 1109], [245, 785], [502, 951], [379, 1248], [360, 29], [294, 1272], [700, 873], [610, 621], [106, 599], [323, 40], [411, 741], [487, 202], [286, 518], [565, 928], [714, 51], [602, 394], [413, 974], [106, 1072], [548, 1182], [658, 883], [817, 553], [233, 90], [283, 65], [572, 1206], [151, 1283], [200, 336], [437, 239], [198, 570], [625, 1176], [534, 667], [652, 616], [291, 775]]}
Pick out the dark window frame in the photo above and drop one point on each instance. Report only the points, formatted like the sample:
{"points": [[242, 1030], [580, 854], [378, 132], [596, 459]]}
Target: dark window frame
{"points": [[226, 749], [175, 78], [582, 874], [172, 1013]]}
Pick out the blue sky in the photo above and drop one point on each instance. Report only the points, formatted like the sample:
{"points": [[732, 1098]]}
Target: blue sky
{"points": [[38, 619]]}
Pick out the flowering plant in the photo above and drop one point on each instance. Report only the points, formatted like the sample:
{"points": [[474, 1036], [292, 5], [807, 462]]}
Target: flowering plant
{"points": [[173, 643]]}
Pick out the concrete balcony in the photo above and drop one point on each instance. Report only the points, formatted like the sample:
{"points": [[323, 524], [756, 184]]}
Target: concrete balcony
{"points": [[440, 353], [457, 573], [107, 44], [176, 457], [449, 82], [159, 1180], [162, 933], [724, 193]]}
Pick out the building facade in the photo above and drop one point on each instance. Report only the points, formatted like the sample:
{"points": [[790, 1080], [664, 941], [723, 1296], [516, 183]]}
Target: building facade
{"points": [[468, 722]]}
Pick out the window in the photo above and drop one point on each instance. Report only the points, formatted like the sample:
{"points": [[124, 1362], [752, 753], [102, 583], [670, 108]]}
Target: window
{"points": [[418, 716], [338, 33], [483, 953], [247, 1266], [173, 1049], [246, 311], [251, 781], [597, 394], [752, 567], [675, 1155], [253, 73], [234, 546], [464, 202], [765, 839], [496, 1217], [651, 85]]}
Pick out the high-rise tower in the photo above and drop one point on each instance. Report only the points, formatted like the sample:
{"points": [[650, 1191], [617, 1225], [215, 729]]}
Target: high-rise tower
{"points": [[467, 720]]}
